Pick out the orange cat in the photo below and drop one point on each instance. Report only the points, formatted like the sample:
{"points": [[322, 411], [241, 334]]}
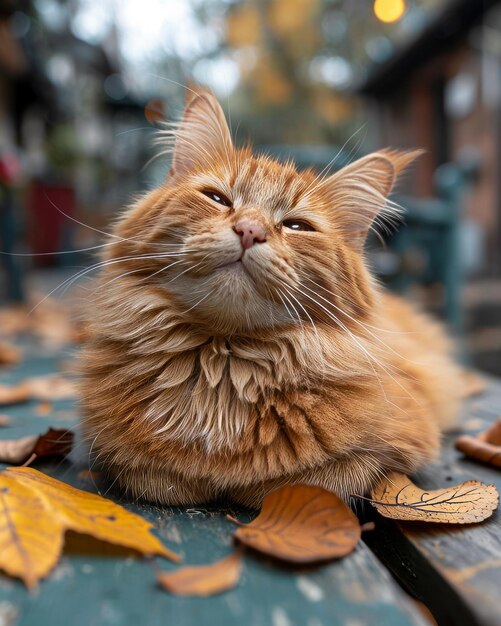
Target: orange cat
{"points": [[238, 342]]}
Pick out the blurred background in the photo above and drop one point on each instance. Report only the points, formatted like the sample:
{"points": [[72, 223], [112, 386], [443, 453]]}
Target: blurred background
{"points": [[84, 83]]}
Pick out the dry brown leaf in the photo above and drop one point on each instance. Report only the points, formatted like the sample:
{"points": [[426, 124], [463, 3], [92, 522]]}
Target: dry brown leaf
{"points": [[37, 510], [4, 421], [472, 384], [479, 450], [302, 524], [52, 387], [53, 443], [89, 475], [203, 580], [485, 447], [399, 498], [14, 394], [493, 434], [44, 408], [9, 355], [50, 322], [14, 319]]}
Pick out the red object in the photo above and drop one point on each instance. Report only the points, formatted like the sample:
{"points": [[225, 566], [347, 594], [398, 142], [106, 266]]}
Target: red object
{"points": [[9, 169], [46, 223]]}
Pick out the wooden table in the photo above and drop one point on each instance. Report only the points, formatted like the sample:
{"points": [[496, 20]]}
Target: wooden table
{"points": [[456, 572]]}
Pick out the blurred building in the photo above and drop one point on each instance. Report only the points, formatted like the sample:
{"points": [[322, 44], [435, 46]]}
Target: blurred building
{"points": [[442, 91], [62, 104]]}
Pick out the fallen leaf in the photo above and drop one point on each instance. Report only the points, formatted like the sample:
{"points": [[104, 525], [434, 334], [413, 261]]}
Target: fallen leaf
{"points": [[485, 447], [203, 580], [399, 498], [31, 538], [475, 423], [44, 408], [14, 394], [52, 387], [89, 475], [302, 524], [4, 421], [44, 318], [16, 451], [493, 434], [479, 450], [36, 510], [472, 384], [9, 355], [53, 443], [13, 320]]}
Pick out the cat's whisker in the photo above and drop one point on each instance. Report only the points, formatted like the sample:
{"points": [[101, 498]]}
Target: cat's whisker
{"points": [[299, 319], [315, 330], [191, 267], [140, 269], [352, 154], [92, 463], [36, 254], [350, 317], [281, 296], [113, 483], [109, 282], [200, 264], [170, 136], [325, 171], [163, 269], [117, 260], [369, 356], [96, 230], [365, 324], [200, 301], [133, 130], [174, 82], [66, 284]]}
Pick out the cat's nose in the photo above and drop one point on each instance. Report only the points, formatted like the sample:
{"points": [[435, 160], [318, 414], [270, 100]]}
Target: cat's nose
{"points": [[250, 232]]}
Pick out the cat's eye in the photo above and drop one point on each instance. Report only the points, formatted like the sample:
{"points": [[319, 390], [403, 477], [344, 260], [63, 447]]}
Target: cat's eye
{"points": [[297, 225], [217, 197]]}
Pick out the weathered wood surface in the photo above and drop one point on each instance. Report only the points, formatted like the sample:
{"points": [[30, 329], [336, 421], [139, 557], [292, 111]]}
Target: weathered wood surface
{"points": [[97, 585], [454, 570]]}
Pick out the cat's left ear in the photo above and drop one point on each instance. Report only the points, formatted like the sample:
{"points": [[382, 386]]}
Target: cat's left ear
{"points": [[202, 136], [359, 192]]}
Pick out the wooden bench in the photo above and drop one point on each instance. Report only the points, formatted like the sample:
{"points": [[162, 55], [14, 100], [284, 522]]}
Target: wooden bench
{"points": [[455, 571]]}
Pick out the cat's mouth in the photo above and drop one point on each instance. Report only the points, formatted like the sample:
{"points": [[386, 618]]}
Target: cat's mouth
{"points": [[235, 266]]}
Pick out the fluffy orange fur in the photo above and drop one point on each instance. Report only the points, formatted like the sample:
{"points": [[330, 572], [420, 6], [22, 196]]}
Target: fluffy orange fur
{"points": [[213, 372]]}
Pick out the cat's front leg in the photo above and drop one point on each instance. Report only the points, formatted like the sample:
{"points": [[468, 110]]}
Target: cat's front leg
{"points": [[354, 474], [149, 484]]}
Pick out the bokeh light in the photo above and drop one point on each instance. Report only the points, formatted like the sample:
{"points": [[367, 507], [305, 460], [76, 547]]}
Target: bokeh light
{"points": [[389, 10]]}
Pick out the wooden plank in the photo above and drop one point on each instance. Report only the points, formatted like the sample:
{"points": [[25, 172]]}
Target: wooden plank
{"points": [[96, 585], [454, 570]]}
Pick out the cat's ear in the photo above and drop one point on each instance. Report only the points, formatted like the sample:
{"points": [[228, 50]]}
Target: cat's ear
{"points": [[359, 192], [202, 135]]}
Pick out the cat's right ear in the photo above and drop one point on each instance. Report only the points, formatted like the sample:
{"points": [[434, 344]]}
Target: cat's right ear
{"points": [[202, 136]]}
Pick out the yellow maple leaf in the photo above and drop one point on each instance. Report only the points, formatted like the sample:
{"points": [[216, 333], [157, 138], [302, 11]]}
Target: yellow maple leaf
{"points": [[36, 510]]}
